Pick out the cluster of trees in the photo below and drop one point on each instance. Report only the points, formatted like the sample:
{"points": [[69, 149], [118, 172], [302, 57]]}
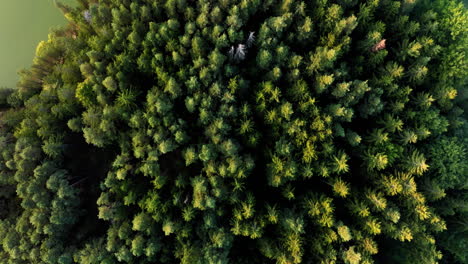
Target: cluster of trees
{"points": [[240, 132]]}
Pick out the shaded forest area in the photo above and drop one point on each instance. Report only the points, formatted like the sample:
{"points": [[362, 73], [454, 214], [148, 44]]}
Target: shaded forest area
{"points": [[215, 132]]}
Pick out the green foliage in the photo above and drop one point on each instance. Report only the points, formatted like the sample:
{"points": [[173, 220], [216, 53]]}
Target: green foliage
{"points": [[448, 158], [240, 132], [447, 189], [85, 94]]}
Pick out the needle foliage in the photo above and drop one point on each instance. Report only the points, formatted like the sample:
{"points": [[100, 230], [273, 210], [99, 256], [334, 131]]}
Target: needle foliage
{"points": [[215, 132]]}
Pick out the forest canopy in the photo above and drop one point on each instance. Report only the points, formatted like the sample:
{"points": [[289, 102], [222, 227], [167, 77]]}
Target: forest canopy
{"points": [[244, 132]]}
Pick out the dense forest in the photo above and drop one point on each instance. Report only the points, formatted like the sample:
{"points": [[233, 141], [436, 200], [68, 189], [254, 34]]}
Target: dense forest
{"points": [[243, 132]]}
